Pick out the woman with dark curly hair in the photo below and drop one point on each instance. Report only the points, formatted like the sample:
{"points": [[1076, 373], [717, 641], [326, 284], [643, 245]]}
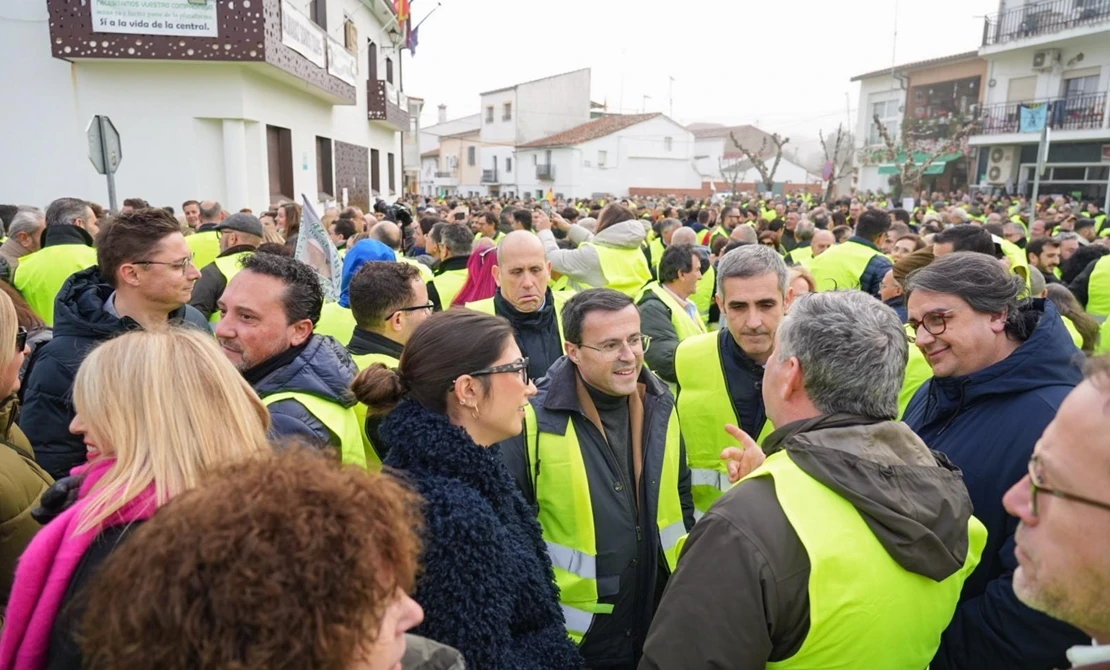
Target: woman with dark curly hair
{"points": [[487, 587], [288, 562]]}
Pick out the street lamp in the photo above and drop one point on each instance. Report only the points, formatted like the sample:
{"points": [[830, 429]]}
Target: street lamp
{"points": [[395, 37]]}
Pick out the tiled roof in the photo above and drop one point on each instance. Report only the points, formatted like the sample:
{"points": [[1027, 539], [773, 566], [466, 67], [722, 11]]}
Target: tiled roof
{"points": [[434, 153], [918, 65], [701, 132], [606, 125]]}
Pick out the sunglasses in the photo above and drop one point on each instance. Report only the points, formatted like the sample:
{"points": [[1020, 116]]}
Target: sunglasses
{"points": [[21, 339], [520, 366]]}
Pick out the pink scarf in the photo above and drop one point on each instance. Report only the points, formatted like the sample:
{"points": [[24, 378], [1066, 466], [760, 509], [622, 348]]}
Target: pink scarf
{"points": [[46, 567]]}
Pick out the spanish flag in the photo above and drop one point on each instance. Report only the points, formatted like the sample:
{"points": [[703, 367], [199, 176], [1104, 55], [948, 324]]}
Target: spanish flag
{"points": [[401, 9], [550, 197]]}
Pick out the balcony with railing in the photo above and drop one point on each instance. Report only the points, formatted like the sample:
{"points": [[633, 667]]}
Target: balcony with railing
{"points": [[489, 177], [1080, 112], [387, 106], [545, 172], [1043, 18], [447, 177]]}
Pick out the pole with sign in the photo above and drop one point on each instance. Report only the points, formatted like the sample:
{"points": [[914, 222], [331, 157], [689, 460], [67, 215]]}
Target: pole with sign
{"points": [[105, 152]]}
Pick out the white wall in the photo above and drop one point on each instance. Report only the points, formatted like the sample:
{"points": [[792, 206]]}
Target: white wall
{"points": [[499, 131], [189, 130], [550, 106], [873, 90], [1017, 63]]}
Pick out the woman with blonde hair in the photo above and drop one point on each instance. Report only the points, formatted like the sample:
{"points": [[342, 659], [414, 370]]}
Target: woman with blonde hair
{"points": [[144, 404], [22, 481]]}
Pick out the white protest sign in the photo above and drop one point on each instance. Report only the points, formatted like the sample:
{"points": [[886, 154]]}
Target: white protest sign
{"points": [[155, 17]]}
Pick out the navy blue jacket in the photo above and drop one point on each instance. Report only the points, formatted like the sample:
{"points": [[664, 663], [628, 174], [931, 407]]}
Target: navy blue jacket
{"points": [[80, 323], [487, 586], [872, 278], [325, 370], [987, 423]]}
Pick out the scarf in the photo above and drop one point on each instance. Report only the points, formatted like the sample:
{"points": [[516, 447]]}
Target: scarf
{"points": [[47, 566]]}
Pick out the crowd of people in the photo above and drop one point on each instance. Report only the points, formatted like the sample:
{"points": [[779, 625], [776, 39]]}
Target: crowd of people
{"points": [[737, 432]]}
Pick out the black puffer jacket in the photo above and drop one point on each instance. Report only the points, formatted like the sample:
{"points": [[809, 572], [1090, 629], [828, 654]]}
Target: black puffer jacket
{"points": [[80, 323]]}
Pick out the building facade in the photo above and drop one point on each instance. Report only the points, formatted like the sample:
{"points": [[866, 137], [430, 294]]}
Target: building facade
{"points": [[245, 102], [1048, 64]]}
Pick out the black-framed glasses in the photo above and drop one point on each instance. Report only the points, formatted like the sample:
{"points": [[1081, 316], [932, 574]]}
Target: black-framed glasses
{"points": [[637, 343], [182, 265], [1035, 479], [520, 366], [20, 339], [416, 308], [935, 323]]}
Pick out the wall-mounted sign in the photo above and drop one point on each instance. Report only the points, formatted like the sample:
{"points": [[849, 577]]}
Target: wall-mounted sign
{"points": [[342, 63], [164, 17], [300, 34]]}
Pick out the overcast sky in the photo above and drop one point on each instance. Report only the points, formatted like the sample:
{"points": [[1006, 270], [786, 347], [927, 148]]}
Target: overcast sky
{"points": [[782, 65]]}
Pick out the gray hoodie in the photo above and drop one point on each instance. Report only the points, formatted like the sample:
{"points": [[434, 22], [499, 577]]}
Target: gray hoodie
{"points": [[911, 498], [582, 265]]}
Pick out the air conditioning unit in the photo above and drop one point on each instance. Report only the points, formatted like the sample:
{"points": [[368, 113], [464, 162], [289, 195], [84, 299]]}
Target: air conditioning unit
{"points": [[1000, 164], [1045, 59]]}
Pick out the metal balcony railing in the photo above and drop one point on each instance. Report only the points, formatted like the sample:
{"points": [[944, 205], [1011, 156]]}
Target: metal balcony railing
{"points": [[545, 172], [445, 174], [489, 176], [1080, 112], [1039, 18]]}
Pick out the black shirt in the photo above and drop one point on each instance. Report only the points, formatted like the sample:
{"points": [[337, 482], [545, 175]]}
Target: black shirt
{"points": [[744, 379]]}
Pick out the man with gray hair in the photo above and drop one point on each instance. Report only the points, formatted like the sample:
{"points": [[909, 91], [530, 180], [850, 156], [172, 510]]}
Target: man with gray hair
{"points": [[24, 237], [849, 540], [67, 247], [454, 242], [745, 234], [802, 253], [720, 374]]}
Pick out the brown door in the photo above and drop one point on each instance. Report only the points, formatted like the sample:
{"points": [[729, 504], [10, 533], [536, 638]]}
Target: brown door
{"points": [[279, 159], [375, 172]]}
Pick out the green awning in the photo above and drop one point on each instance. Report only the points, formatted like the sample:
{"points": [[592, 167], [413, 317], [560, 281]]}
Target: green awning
{"points": [[935, 168]]}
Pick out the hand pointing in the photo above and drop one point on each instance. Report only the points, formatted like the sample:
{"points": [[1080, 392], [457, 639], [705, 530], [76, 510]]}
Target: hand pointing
{"points": [[744, 459]]}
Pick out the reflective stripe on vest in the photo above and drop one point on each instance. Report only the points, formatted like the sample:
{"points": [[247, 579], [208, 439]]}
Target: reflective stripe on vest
{"points": [[842, 266], [339, 420], [704, 407], [858, 593], [566, 515], [448, 284], [1098, 289], [336, 321], [363, 361], [40, 275], [625, 270], [802, 256], [205, 247], [229, 267]]}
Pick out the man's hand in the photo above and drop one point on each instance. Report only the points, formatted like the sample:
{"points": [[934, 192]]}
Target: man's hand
{"points": [[540, 221], [559, 221], [744, 459]]}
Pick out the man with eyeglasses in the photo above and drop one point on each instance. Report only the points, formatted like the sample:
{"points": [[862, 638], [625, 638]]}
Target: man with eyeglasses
{"points": [[1001, 369], [143, 278], [269, 311], [720, 374], [601, 460], [524, 298], [388, 301], [240, 234], [1063, 537]]}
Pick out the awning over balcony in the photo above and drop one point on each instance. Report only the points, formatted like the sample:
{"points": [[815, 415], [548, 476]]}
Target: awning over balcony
{"points": [[935, 168]]}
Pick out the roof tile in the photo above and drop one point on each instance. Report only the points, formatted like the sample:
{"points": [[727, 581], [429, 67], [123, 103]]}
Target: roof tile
{"points": [[606, 125]]}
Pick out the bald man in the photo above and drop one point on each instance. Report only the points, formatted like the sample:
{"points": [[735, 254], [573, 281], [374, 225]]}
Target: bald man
{"points": [[523, 297], [745, 234], [822, 240], [684, 236]]}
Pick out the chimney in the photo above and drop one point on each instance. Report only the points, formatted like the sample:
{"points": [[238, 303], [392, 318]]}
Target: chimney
{"points": [[442, 114]]}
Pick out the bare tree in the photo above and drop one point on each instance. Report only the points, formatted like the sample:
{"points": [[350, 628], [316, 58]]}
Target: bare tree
{"points": [[838, 156], [756, 157], [921, 143], [730, 173]]}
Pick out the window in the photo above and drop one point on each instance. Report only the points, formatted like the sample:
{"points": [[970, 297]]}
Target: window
{"points": [[668, 143], [470, 156], [602, 156], [279, 159], [535, 159], [389, 70], [888, 113], [375, 172], [489, 114], [539, 195], [1075, 87], [507, 113], [325, 181], [508, 165], [392, 174], [318, 12], [372, 60]]}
